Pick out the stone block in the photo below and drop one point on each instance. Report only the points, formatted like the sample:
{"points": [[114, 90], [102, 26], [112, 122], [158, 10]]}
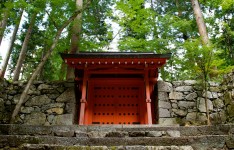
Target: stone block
{"points": [[44, 87], [155, 133], [227, 98], [167, 121], [164, 113], [164, 104], [70, 108], [191, 96], [230, 110], [67, 96], [180, 112], [97, 134], [26, 110], [176, 95], [60, 89], [66, 119], [38, 101], [202, 118], [213, 83], [58, 111], [174, 105], [218, 117], [186, 104], [50, 118], [177, 83], [214, 89], [218, 103], [53, 96], [35, 118], [136, 134], [162, 96], [64, 133], [2, 106], [17, 98], [211, 95], [52, 105], [191, 116], [34, 92], [202, 105], [173, 133], [184, 88], [164, 86], [81, 134], [230, 142], [190, 82], [116, 134]]}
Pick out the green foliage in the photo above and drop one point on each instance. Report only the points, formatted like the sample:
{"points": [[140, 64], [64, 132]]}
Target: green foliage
{"points": [[146, 26]]}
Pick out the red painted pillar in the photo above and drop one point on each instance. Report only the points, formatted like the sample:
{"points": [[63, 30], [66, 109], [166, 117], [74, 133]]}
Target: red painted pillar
{"points": [[148, 100], [83, 98]]}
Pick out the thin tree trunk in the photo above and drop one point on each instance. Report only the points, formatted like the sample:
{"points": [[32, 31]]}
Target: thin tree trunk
{"points": [[200, 22], [24, 48], [8, 54], [3, 24], [206, 103], [76, 31], [41, 64], [205, 41]]}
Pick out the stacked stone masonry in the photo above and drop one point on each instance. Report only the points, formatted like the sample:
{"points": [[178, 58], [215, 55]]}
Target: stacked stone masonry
{"points": [[46, 103], [180, 102], [184, 102]]}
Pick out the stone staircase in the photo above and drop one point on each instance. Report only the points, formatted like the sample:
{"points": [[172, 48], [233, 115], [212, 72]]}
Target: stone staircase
{"points": [[119, 137]]}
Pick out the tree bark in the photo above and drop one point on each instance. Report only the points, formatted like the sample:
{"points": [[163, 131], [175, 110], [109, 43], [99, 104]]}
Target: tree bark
{"points": [[41, 64], [8, 54], [76, 31], [24, 48], [3, 24], [200, 22]]}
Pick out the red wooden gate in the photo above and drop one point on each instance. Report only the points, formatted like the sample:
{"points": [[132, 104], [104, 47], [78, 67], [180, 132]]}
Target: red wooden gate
{"points": [[116, 102]]}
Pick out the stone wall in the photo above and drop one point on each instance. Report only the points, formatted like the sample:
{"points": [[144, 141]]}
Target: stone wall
{"points": [[183, 102], [228, 95], [180, 102], [46, 103]]}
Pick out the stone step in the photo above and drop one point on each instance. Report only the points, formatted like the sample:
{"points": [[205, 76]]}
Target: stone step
{"points": [[197, 142], [116, 131], [77, 147]]}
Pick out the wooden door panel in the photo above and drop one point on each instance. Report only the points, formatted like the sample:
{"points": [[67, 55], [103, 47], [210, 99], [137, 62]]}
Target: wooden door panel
{"points": [[115, 103]]}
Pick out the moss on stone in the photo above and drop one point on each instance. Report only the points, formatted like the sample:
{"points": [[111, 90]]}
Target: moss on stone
{"points": [[230, 110]]}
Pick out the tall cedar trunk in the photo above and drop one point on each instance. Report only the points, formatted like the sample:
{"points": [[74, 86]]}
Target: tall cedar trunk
{"points": [[41, 64], [76, 31], [200, 22], [205, 41], [3, 24], [6, 60], [24, 48]]}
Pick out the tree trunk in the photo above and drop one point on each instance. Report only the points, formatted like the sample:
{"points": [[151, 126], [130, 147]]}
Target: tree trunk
{"points": [[200, 22], [76, 31], [6, 60], [3, 24], [41, 64], [24, 48], [205, 41]]}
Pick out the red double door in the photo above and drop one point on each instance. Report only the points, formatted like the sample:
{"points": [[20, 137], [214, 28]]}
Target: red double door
{"points": [[112, 101]]}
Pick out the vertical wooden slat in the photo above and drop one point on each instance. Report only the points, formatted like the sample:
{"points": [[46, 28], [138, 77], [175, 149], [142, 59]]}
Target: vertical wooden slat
{"points": [[83, 98]]}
